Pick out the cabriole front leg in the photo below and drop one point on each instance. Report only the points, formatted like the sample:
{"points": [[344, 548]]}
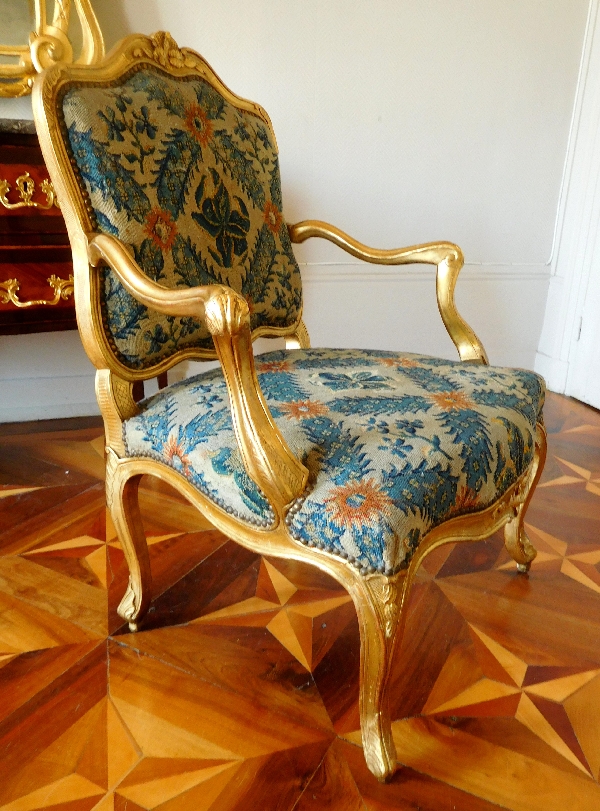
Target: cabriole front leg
{"points": [[122, 500], [515, 536], [378, 603]]}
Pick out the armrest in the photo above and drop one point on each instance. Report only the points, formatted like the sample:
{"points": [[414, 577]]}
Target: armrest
{"points": [[190, 301], [445, 255], [267, 458]]}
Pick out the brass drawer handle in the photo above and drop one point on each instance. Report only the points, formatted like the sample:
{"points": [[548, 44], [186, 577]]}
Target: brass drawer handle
{"points": [[63, 289], [26, 188]]}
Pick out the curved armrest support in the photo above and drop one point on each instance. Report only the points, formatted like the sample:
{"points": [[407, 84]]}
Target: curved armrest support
{"points": [[447, 256], [267, 458]]}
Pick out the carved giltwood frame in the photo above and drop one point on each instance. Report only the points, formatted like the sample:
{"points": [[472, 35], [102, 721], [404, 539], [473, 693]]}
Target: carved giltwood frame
{"points": [[49, 43], [380, 600]]}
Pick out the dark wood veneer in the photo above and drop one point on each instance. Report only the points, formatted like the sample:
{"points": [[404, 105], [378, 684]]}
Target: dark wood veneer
{"points": [[34, 244]]}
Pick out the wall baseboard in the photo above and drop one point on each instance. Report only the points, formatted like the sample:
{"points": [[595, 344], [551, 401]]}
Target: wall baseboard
{"points": [[46, 398], [553, 370], [47, 376], [363, 272]]}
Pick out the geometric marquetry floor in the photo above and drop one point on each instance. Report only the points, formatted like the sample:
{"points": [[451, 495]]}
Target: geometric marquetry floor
{"points": [[241, 690]]}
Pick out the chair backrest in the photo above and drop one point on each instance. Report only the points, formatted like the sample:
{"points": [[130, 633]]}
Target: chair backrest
{"points": [[151, 147]]}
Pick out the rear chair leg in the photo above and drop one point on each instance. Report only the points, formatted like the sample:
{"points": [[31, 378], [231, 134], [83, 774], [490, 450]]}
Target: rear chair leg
{"points": [[122, 500], [515, 536]]}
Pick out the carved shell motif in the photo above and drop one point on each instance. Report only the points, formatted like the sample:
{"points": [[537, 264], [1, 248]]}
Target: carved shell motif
{"points": [[164, 50]]}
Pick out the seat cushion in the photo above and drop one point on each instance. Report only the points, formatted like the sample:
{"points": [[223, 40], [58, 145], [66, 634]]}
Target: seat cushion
{"points": [[395, 444]]}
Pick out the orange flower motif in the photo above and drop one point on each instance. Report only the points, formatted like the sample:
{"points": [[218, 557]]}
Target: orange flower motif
{"points": [[358, 503], [161, 229], [274, 366], [273, 217], [406, 363], [452, 400], [198, 124], [175, 455], [304, 409], [466, 501]]}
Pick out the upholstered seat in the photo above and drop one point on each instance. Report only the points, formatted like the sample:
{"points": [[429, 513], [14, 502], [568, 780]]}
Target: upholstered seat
{"points": [[395, 444], [358, 462]]}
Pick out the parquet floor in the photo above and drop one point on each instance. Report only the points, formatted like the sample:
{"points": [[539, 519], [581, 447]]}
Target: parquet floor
{"points": [[241, 692]]}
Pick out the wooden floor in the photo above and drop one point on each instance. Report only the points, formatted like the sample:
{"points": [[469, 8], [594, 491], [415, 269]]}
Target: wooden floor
{"points": [[241, 692]]}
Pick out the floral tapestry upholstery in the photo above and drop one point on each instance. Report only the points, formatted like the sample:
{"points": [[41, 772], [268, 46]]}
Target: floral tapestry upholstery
{"points": [[395, 444], [192, 184]]}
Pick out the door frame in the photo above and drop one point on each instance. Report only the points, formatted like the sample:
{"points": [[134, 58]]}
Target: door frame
{"points": [[569, 331]]}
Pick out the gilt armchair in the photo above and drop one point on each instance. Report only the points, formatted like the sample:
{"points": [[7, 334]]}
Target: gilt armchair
{"points": [[357, 462]]}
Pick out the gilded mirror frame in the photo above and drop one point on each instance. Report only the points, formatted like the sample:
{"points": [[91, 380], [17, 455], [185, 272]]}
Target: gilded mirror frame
{"points": [[49, 43]]}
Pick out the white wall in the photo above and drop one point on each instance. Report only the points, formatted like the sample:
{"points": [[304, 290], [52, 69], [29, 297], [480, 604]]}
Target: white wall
{"points": [[400, 122]]}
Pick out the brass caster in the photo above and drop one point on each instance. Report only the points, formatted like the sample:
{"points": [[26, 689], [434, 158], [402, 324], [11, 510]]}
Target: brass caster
{"points": [[523, 568]]}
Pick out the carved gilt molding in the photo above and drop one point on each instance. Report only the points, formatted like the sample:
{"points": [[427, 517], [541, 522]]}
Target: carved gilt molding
{"points": [[162, 48], [44, 41]]}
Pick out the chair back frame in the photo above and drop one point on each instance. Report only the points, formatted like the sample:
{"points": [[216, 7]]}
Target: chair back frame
{"points": [[136, 51]]}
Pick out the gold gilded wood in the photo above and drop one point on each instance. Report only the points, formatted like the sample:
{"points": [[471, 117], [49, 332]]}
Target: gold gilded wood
{"points": [[266, 456], [515, 537], [265, 453], [26, 187], [16, 79], [49, 43], [380, 601], [115, 399], [382, 606], [63, 289], [122, 502], [162, 49], [445, 255], [300, 339]]}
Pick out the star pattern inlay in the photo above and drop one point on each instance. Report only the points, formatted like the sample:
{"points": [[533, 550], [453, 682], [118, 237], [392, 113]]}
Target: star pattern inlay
{"points": [[591, 478], [240, 691], [294, 616], [488, 680]]}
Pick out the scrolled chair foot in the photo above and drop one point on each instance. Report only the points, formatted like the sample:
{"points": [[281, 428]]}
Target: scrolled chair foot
{"points": [[131, 608], [122, 499], [383, 764], [378, 744], [518, 544]]}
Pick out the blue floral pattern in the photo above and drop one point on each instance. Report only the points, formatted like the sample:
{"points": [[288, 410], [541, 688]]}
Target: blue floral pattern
{"points": [[192, 183], [395, 444]]}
